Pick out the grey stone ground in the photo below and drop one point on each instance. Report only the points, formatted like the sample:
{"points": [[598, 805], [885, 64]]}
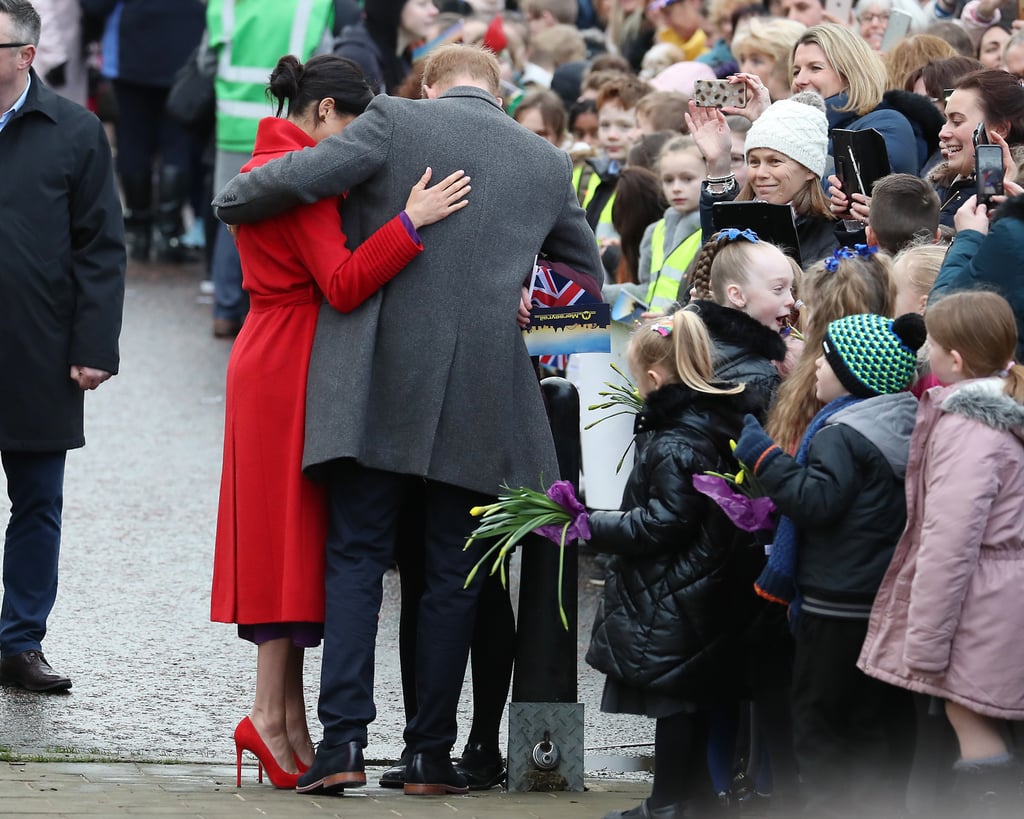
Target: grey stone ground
{"points": [[153, 678], [141, 789]]}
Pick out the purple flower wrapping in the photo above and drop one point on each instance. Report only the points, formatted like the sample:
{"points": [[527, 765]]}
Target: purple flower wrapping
{"points": [[562, 493], [746, 513]]}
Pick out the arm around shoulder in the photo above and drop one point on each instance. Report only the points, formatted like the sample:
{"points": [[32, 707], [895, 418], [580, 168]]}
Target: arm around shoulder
{"points": [[301, 177]]}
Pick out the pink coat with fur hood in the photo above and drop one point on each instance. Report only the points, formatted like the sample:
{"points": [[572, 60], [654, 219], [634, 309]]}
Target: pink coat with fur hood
{"points": [[948, 619]]}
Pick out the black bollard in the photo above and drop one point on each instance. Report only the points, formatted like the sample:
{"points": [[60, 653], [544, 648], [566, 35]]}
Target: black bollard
{"points": [[545, 668], [545, 721]]}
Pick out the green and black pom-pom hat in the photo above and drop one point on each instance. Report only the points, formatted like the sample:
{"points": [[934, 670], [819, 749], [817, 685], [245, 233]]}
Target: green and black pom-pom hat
{"points": [[874, 355]]}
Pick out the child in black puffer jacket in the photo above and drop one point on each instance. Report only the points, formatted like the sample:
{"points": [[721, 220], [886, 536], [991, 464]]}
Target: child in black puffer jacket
{"points": [[666, 631]]}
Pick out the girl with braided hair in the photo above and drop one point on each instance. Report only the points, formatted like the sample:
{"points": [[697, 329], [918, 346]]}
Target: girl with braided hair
{"points": [[743, 288]]}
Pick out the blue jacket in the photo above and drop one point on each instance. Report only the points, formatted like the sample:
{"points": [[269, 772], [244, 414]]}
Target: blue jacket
{"points": [[993, 262], [895, 128]]}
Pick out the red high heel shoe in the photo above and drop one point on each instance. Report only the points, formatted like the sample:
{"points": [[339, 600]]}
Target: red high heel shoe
{"points": [[247, 738], [302, 766]]}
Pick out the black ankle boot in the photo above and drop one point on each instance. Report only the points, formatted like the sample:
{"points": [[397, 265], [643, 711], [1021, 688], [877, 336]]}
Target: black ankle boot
{"points": [[138, 215], [173, 192], [482, 767]]}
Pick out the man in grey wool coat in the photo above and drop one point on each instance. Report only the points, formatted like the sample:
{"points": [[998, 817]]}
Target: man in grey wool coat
{"points": [[427, 386]]}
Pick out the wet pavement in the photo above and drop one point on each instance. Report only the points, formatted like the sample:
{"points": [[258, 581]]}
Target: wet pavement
{"points": [[154, 679]]}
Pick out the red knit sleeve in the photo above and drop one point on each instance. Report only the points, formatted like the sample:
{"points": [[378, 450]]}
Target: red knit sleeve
{"points": [[348, 278]]}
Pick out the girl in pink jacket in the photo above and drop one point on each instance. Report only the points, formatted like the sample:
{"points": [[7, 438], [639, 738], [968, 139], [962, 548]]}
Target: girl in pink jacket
{"points": [[948, 619]]}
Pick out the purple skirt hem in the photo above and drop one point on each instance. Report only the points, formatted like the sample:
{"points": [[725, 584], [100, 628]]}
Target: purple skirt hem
{"points": [[302, 635]]}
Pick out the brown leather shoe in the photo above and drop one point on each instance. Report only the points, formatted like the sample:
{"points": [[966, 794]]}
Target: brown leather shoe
{"points": [[30, 670]]}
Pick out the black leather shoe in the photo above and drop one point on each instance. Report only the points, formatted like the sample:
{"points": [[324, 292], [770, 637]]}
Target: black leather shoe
{"points": [[394, 777], [334, 769], [482, 767], [30, 670], [432, 774]]}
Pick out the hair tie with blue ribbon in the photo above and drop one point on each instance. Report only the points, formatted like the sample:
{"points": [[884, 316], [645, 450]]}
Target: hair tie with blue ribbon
{"points": [[840, 253], [732, 234]]}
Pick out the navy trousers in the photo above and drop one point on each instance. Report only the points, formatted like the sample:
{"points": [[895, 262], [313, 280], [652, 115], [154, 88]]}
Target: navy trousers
{"points": [[35, 485], [365, 507]]}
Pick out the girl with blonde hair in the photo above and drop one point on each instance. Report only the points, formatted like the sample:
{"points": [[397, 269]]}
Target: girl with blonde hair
{"points": [[667, 629]]}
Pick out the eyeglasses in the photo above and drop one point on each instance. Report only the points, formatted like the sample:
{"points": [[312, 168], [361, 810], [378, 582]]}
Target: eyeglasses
{"points": [[874, 16], [13, 45]]}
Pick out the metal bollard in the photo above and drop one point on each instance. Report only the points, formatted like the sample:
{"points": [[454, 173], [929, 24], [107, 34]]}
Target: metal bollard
{"points": [[545, 749]]}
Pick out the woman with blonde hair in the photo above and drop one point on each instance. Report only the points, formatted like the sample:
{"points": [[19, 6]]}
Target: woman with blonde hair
{"points": [[762, 48], [911, 54], [840, 65]]}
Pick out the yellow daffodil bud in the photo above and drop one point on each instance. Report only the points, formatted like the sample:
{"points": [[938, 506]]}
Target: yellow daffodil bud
{"points": [[477, 511], [732, 445], [739, 477]]}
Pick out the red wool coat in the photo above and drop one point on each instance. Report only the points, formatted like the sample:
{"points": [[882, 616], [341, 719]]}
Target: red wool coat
{"points": [[272, 521]]}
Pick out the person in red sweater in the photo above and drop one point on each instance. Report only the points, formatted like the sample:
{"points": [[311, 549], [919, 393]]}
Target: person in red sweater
{"points": [[269, 569]]}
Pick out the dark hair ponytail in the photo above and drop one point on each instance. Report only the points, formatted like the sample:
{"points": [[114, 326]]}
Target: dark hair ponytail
{"points": [[324, 77]]}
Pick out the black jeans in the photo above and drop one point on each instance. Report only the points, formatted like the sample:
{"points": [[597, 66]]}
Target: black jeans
{"points": [[365, 505], [853, 735]]}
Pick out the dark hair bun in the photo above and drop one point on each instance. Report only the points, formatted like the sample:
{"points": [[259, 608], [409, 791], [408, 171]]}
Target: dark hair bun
{"points": [[285, 80], [911, 330]]}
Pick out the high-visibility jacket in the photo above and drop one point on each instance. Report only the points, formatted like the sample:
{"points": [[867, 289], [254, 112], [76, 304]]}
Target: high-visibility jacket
{"points": [[602, 224], [667, 273], [250, 37]]}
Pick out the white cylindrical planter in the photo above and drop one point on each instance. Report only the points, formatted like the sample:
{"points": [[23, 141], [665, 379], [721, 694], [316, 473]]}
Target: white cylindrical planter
{"points": [[603, 444]]}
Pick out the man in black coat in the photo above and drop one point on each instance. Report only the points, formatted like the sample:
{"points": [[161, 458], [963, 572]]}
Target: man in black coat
{"points": [[61, 295]]}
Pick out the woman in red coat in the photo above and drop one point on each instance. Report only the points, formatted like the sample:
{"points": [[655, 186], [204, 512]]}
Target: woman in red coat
{"points": [[272, 521]]}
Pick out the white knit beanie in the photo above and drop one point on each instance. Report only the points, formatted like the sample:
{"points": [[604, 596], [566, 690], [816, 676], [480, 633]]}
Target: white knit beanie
{"points": [[796, 127]]}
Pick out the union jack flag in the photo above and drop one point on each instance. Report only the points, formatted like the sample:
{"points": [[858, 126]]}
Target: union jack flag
{"points": [[552, 289]]}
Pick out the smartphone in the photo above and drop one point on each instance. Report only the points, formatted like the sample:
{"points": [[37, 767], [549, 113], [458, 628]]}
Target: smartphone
{"points": [[896, 30], [988, 165], [840, 10], [980, 136], [719, 94]]}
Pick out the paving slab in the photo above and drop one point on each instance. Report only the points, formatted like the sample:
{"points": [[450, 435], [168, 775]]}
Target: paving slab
{"points": [[134, 789]]}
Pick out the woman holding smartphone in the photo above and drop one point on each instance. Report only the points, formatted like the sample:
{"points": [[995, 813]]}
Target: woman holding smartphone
{"points": [[984, 107], [785, 151], [838, 64]]}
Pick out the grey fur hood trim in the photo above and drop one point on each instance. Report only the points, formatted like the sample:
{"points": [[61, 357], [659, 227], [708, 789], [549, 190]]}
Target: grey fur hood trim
{"points": [[985, 401], [887, 422]]}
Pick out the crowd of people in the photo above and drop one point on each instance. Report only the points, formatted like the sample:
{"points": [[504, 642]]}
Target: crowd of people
{"points": [[855, 651]]}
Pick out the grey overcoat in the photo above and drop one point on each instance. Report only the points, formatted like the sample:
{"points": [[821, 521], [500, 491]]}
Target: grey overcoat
{"points": [[430, 376]]}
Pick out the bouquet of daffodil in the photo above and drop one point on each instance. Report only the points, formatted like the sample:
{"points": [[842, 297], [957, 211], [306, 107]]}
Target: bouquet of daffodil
{"points": [[740, 495], [555, 514], [623, 397]]}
